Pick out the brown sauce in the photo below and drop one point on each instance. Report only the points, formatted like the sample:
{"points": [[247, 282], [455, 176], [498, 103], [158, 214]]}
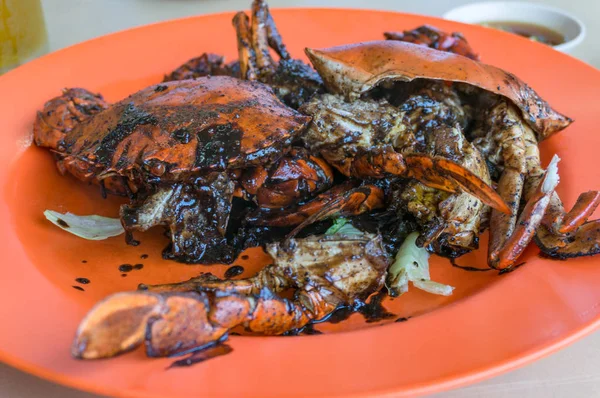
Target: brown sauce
{"points": [[203, 355], [372, 310], [531, 31], [125, 267], [339, 315], [129, 267], [234, 271], [308, 329], [468, 267]]}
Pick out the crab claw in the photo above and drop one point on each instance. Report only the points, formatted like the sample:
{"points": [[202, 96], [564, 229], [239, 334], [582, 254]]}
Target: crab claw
{"points": [[570, 235], [444, 174], [169, 324], [504, 253], [583, 242], [178, 323], [116, 324], [179, 318], [559, 222]]}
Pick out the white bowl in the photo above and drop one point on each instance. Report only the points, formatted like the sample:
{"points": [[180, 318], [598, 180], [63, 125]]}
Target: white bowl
{"points": [[556, 19]]}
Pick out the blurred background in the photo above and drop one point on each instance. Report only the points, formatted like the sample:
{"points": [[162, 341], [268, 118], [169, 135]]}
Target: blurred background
{"points": [[72, 21]]}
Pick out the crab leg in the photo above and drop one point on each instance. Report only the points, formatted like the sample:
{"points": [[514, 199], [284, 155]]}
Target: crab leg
{"points": [[270, 276], [326, 271], [510, 188], [557, 232], [343, 199], [556, 218], [177, 323], [528, 222], [246, 53], [433, 171], [563, 234], [260, 38], [275, 40], [584, 207]]}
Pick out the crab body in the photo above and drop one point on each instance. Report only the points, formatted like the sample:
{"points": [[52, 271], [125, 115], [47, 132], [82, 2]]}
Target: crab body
{"points": [[352, 71], [171, 131], [178, 148]]}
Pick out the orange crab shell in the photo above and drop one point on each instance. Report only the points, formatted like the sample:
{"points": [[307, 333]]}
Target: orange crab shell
{"points": [[176, 128], [356, 68]]}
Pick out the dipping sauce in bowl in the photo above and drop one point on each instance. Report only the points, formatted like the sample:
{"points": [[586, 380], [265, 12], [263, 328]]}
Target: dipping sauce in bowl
{"points": [[532, 31], [549, 25]]}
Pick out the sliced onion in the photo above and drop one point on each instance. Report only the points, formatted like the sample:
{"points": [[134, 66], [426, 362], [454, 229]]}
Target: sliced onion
{"points": [[412, 265], [88, 227]]}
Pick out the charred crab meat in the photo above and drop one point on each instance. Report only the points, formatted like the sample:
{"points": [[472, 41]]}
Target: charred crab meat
{"points": [[409, 136]]}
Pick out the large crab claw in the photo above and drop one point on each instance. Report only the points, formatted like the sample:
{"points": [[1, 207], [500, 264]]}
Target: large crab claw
{"points": [[176, 323], [434, 171], [326, 271], [444, 174], [356, 68]]}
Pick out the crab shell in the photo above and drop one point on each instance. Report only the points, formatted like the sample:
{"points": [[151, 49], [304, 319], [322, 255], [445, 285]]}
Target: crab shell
{"points": [[172, 130], [353, 69]]}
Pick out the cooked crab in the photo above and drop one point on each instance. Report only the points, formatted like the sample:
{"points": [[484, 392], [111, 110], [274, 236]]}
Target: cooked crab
{"points": [[325, 272], [205, 65], [293, 81], [430, 36], [180, 148], [353, 70], [421, 137]]}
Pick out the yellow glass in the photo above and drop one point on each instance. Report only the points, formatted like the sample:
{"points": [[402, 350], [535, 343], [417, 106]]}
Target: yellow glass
{"points": [[22, 32]]}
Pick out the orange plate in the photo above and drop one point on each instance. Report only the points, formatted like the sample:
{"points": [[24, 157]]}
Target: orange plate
{"points": [[492, 323]]}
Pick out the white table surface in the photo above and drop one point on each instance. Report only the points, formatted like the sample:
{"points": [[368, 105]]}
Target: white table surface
{"points": [[572, 372]]}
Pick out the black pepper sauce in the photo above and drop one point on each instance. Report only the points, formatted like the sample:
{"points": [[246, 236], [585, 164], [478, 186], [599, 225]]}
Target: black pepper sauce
{"points": [[125, 267], [531, 31], [203, 355], [234, 271], [373, 310]]}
